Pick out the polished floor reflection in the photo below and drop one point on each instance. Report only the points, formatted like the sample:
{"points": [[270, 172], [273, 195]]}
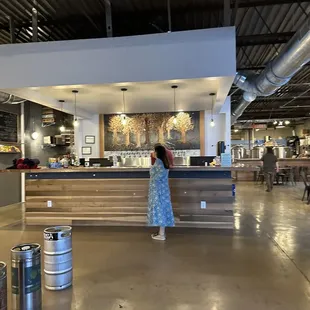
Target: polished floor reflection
{"points": [[263, 264]]}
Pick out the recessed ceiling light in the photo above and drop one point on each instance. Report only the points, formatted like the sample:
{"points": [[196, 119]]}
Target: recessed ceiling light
{"points": [[119, 112]]}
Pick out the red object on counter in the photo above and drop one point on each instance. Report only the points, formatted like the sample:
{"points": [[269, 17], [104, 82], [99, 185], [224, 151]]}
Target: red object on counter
{"points": [[20, 164]]}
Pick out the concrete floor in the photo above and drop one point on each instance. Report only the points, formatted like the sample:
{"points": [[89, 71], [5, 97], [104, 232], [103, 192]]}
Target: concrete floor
{"points": [[264, 264]]}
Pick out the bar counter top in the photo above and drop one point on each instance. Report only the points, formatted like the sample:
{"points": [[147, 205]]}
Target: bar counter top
{"points": [[293, 162], [119, 196], [280, 159], [123, 169]]}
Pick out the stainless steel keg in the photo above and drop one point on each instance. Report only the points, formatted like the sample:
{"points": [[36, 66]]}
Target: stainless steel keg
{"points": [[3, 287], [58, 257], [26, 277]]}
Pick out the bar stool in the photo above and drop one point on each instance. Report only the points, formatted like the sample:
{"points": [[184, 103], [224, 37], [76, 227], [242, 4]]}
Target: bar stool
{"points": [[260, 176]]}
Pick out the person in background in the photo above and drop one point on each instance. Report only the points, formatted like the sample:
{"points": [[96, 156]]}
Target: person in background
{"points": [[168, 152], [270, 166], [159, 202]]}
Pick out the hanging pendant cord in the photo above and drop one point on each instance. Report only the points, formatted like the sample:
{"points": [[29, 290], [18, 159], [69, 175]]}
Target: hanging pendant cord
{"points": [[74, 105], [124, 102], [174, 104]]}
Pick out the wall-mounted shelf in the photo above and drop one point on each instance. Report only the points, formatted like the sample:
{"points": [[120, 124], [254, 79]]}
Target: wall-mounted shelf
{"points": [[9, 152], [9, 149]]}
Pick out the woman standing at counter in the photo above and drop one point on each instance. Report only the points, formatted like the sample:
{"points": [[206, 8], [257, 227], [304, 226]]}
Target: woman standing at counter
{"points": [[168, 154], [159, 204]]}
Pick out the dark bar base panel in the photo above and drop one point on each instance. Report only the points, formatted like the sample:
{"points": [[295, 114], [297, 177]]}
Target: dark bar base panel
{"points": [[120, 198], [128, 175]]}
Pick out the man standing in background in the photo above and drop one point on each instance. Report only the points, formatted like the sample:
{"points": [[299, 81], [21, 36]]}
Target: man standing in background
{"points": [[270, 167]]}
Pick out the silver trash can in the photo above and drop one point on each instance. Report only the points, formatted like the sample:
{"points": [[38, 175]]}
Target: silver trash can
{"points": [[58, 257], [3, 287], [26, 277]]}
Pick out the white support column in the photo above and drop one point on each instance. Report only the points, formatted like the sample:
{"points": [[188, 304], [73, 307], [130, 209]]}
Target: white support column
{"points": [[22, 147], [226, 110], [221, 130], [87, 127]]}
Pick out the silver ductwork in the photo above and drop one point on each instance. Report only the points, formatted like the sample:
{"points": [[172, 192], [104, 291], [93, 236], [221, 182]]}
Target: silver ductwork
{"points": [[279, 71], [10, 99], [247, 98]]}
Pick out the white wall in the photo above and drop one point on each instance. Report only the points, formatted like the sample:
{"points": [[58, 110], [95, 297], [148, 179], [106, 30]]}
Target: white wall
{"points": [[88, 127], [221, 130], [157, 57]]}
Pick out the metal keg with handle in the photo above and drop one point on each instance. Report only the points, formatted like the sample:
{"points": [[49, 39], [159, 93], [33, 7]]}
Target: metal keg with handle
{"points": [[58, 257], [26, 277], [3, 287]]}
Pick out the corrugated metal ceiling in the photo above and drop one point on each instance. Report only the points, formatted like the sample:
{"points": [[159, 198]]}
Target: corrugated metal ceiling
{"points": [[257, 20]]}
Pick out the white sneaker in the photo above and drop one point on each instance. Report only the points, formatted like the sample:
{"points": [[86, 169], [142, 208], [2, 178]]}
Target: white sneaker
{"points": [[158, 237]]}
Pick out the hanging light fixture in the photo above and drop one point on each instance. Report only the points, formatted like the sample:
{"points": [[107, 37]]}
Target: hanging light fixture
{"points": [[34, 134], [287, 122], [275, 122], [212, 123], [123, 115], [75, 122], [62, 127], [174, 87]]}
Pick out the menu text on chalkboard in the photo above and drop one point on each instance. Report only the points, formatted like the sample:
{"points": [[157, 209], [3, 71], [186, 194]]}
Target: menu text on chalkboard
{"points": [[8, 127]]}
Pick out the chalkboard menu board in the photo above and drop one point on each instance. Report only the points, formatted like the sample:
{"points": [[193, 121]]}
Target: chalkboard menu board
{"points": [[8, 127]]}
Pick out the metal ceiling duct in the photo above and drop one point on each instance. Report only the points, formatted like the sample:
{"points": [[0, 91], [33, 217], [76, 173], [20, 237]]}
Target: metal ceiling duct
{"points": [[277, 73], [10, 99]]}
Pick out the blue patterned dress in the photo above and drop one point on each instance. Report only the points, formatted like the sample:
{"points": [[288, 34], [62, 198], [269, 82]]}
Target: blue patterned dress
{"points": [[159, 207]]}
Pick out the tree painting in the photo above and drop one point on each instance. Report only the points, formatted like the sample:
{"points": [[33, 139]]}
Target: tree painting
{"points": [[169, 127], [115, 126], [140, 131], [147, 121], [138, 127], [127, 129], [183, 124], [159, 124]]}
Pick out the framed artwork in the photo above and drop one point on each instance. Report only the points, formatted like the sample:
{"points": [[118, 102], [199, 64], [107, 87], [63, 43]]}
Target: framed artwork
{"points": [[89, 139], [177, 130], [86, 150]]}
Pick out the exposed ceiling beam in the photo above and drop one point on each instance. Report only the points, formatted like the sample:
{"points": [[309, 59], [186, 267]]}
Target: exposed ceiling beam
{"points": [[264, 39], [255, 3], [259, 67], [152, 14]]}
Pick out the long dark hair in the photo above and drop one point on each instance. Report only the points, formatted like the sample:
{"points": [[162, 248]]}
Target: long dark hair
{"points": [[162, 155]]}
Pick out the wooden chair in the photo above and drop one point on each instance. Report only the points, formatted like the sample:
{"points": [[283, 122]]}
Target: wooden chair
{"points": [[307, 186], [281, 177], [289, 176], [260, 176]]}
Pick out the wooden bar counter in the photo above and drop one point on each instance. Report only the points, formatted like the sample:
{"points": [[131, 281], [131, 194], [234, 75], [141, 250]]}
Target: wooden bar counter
{"points": [[118, 196]]}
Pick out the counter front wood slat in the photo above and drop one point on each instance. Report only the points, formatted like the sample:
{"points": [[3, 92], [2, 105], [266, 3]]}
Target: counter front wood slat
{"points": [[105, 196]]}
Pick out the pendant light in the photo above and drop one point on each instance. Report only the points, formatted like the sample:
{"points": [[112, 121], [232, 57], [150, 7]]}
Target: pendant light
{"points": [[123, 115], [174, 87], [75, 122], [34, 134], [62, 127], [212, 123]]}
